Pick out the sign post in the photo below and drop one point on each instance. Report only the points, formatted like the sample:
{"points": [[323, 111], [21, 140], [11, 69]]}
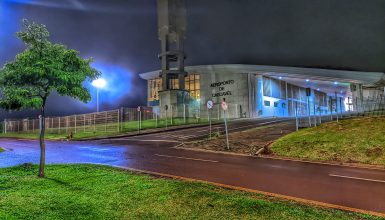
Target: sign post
{"points": [[184, 113], [308, 93], [210, 105], [224, 107], [156, 120], [336, 105], [140, 118], [296, 117], [341, 107], [166, 108], [319, 108], [349, 104], [331, 108], [314, 114]]}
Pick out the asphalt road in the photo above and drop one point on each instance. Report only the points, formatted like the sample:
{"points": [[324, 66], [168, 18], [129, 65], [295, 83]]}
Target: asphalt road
{"points": [[345, 186]]}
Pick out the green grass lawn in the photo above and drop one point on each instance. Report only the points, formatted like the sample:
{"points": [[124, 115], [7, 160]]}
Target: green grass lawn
{"points": [[112, 129], [100, 192], [358, 140]]}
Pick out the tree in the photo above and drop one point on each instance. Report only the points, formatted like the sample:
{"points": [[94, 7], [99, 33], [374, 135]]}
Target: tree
{"points": [[42, 68]]}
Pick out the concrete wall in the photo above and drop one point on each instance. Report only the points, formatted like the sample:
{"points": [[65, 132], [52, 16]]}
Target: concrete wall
{"points": [[231, 86]]}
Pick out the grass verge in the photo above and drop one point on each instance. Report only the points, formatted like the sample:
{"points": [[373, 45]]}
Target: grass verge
{"points": [[356, 140], [1, 150], [243, 142], [100, 192]]}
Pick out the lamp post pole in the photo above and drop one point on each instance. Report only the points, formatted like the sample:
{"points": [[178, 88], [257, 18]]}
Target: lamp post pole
{"points": [[98, 84], [97, 99]]}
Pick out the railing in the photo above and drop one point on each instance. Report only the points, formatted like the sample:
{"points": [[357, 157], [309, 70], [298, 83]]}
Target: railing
{"points": [[106, 121], [137, 119], [121, 120], [370, 106]]}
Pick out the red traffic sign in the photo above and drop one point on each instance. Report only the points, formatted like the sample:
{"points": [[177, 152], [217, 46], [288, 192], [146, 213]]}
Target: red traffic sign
{"points": [[224, 105]]}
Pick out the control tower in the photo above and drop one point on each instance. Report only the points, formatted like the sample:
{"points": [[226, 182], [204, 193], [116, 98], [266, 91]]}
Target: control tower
{"points": [[171, 32]]}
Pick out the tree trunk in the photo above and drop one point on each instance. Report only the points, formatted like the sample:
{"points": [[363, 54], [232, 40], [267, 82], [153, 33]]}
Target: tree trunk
{"points": [[42, 144]]}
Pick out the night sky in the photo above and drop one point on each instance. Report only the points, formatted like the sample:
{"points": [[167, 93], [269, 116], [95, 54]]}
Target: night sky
{"points": [[121, 36]]}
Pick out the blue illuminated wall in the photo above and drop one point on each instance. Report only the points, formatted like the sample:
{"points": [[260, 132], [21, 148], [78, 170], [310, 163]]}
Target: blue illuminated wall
{"points": [[275, 98]]}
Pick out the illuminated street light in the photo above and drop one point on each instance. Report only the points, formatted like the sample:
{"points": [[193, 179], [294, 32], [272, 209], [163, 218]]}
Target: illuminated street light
{"points": [[98, 83]]}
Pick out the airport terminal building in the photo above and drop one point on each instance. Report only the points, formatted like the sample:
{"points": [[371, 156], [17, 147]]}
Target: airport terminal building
{"points": [[265, 91], [249, 90]]}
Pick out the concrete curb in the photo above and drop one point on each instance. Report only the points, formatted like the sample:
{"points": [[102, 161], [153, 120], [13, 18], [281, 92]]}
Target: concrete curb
{"points": [[178, 147], [343, 164], [359, 166]]}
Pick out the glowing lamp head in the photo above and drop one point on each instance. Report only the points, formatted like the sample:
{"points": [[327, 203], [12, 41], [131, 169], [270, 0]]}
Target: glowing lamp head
{"points": [[99, 83]]}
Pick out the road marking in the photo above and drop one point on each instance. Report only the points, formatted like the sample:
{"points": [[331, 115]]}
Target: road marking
{"points": [[132, 139], [95, 148], [357, 178], [187, 158]]}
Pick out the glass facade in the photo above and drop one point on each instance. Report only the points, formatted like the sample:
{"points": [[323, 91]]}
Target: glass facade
{"points": [[274, 88], [174, 84], [192, 85], [294, 95], [154, 86]]}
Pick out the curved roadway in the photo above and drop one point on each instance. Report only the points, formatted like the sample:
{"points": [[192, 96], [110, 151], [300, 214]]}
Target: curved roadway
{"points": [[356, 188]]}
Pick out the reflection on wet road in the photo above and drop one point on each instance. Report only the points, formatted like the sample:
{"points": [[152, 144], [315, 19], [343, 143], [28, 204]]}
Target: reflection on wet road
{"points": [[338, 185]]}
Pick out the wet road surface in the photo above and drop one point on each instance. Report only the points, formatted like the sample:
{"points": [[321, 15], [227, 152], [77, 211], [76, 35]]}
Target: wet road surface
{"points": [[345, 186]]}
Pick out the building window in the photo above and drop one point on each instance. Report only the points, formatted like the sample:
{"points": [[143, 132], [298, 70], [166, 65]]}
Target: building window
{"points": [[275, 104], [266, 103], [154, 86], [274, 88], [174, 83], [192, 84]]}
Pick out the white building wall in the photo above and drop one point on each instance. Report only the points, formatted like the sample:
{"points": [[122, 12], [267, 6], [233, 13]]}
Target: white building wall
{"points": [[234, 87]]}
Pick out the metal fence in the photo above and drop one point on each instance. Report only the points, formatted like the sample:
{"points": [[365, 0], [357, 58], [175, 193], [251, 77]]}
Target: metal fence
{"points": [[106, 121], [121, 120], [369, 106], [136, 119]]}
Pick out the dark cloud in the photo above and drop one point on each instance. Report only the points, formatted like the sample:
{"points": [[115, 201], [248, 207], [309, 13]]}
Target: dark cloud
{"points": [[325, 33]]}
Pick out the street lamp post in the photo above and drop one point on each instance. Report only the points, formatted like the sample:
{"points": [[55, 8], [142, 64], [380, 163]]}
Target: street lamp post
{"points": [[97, 99], [98, 83]]}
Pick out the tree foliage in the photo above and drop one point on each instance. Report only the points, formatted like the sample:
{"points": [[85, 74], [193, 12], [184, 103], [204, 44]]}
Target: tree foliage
{"points": [[42, 68]]}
